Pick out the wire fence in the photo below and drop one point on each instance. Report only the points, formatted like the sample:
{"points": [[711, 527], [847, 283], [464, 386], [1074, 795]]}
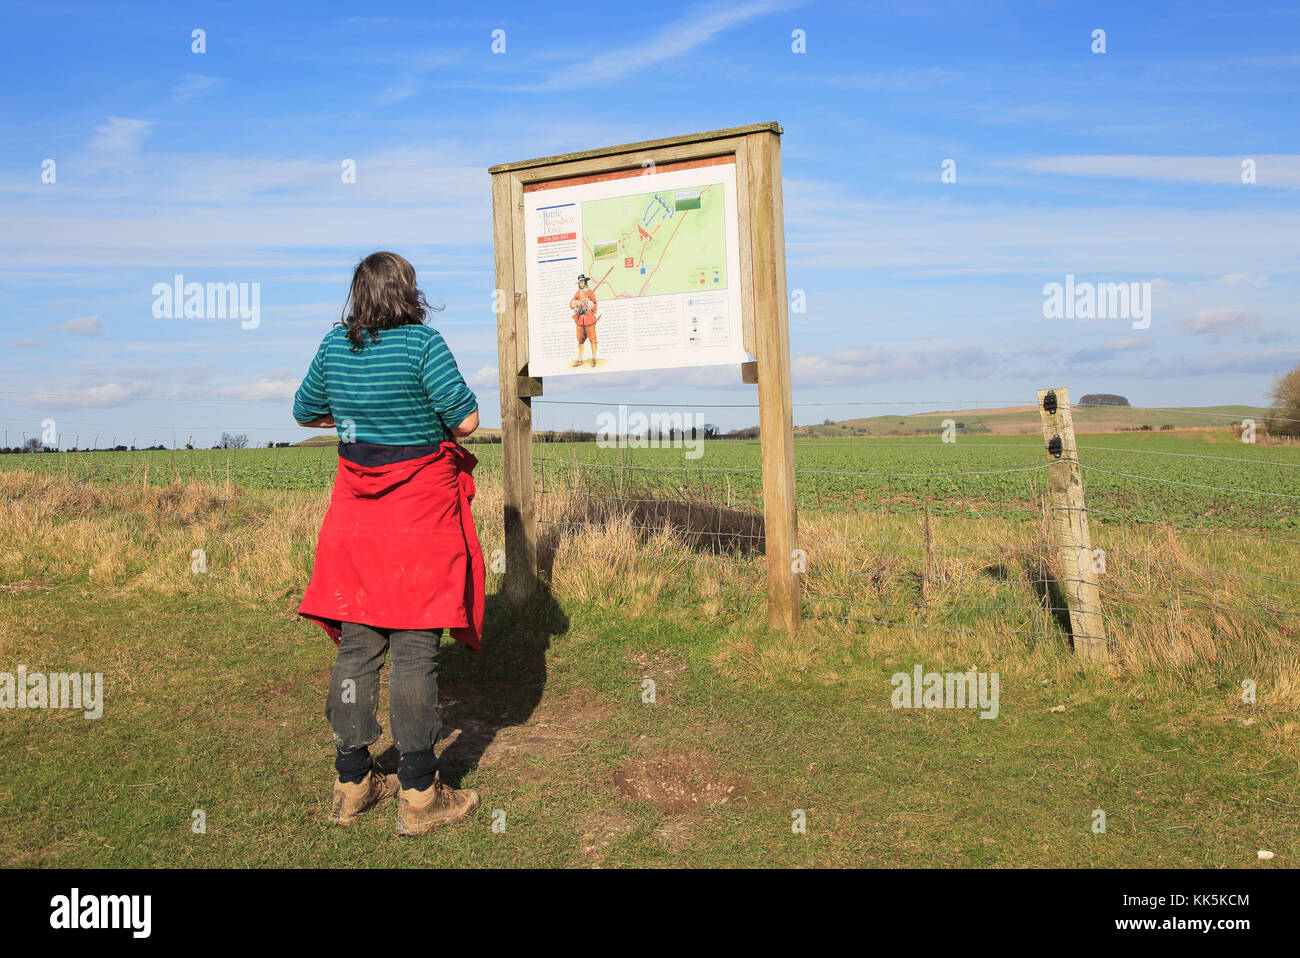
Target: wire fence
{"points": [[1195, 534]]}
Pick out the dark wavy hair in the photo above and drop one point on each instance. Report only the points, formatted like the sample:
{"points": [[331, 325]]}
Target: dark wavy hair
{"points": [[383, 296]]}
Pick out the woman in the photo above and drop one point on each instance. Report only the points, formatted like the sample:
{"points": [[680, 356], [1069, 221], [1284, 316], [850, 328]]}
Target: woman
{"points": [[398, 559]]}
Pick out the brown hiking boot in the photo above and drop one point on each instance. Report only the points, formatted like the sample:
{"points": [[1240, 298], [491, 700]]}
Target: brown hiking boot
{"points": [[351, 799], [418, 813]]}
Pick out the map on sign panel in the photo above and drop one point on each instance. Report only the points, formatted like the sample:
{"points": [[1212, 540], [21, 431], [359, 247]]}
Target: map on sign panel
{"points": [[647, 244], [630, 270]]}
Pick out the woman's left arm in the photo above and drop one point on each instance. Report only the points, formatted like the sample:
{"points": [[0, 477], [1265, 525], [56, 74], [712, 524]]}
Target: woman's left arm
{"points": [[311, 406], [452, 399]]}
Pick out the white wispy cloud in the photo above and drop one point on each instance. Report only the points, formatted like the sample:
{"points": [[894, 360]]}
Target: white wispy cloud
{"points": [[1254, 361], [862, 363], [415, 70], [261, 389], [896, 80], [675, 39], [1241, 279], [194, 85], [82, 326], [1271, 170], [87, 397], [1220, 322], [484, 378], [141, 207], [121, 134], [396, 94], [1128, 344], [1110, 350], [831, 225]]}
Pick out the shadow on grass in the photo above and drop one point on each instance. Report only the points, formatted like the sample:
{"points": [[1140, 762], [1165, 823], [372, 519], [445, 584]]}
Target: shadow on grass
{"points": [[1050, 594], [481, 693], [702, 525]]}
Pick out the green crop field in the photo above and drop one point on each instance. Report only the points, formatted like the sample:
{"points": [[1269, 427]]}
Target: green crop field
{"points": [[1188, 477], [1185, 477]]}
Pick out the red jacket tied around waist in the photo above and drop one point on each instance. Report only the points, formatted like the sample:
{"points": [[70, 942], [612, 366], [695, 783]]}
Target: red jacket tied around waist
{"points": [[398, 549]]}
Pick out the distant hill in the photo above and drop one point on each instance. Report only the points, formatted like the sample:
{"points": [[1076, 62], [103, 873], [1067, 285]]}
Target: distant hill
{"points": [[1024, 420]]}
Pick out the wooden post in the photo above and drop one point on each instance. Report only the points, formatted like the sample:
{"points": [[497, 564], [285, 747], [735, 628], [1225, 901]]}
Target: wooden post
{"points": [[772, 349], [929, 563], [1070, 520], [516, 392]]}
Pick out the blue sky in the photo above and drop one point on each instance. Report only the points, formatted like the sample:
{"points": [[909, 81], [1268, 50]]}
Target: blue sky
{"points": [[224, 166]]}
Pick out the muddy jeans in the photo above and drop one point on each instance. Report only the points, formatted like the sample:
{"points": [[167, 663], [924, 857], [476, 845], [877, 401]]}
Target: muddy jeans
{"points": [[353, 701]]}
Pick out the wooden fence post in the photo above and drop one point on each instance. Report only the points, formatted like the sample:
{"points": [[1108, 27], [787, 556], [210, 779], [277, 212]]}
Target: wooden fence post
{"points": [[930, 566], [1070, 520], [517, 389], [775, 407]]}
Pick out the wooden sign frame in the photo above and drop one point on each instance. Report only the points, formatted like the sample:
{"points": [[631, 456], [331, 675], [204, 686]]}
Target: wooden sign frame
{"points": [[765, 324]]}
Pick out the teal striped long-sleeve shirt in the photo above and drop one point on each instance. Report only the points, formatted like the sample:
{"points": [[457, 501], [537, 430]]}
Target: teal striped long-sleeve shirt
{"points": [[404, 390]]}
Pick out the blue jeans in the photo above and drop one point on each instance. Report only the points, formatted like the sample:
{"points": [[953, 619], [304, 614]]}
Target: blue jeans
{"points": [[353, 701]]}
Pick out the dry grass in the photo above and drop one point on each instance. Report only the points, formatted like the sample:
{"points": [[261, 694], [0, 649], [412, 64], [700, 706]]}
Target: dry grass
{"points": [[1183, 610]]}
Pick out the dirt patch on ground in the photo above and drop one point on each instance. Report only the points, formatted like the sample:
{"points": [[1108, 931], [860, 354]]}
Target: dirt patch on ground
{"points": [[598, 832], [26, 585], [661, 667], [480, 724], [676, 783], [675, 834], [660, 662], [318, 681]]}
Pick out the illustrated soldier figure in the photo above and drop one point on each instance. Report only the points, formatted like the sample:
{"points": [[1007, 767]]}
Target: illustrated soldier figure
{"points": [[585, 316]]}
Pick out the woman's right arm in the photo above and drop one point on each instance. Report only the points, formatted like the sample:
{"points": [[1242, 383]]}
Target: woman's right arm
{"points": [[467, 427]]}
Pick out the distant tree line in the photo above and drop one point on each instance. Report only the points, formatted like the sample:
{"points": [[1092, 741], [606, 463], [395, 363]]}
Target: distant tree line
{"points": [[707, 431], [227, 441]]}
